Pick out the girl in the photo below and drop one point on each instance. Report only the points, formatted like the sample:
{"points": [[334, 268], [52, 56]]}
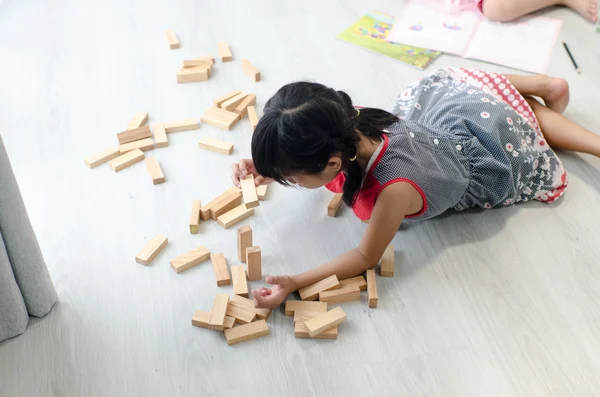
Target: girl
{"points": [[457, 139]]}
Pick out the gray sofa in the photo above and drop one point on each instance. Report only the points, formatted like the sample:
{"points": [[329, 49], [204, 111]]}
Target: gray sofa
{"points": [[25, 284]]}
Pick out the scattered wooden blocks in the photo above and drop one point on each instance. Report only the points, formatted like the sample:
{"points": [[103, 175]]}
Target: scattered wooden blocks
{"points": [[233, 102], [102, 157], [244, 241], [325, 321], [220, 118], [160, 135], [252, 117], [292, 306], [144, 145], [195, 217], [137, 121], [219, 101], [235, 216], [387, 262], [345, 294], [311, 292], [358, 281], [216, 145], [334, 205], [200, 61], [241, 315], [172, 39], [372, 289], [190, 259], [254, 259], [192, 75], [249, 191], [220, 268], [250, 70], [224, 52], [242, 108], [183, 125], [226, 204], [201, 319], [134, 134], [151, 249], [217, 314], [207, 211], [154, 171], [261, 192], [246, 332], [126, 160], [301, 331], [245, 303], [238, 278]]}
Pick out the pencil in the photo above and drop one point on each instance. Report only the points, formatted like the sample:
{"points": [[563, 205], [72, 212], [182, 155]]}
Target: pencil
{"points": [[572, 59]]}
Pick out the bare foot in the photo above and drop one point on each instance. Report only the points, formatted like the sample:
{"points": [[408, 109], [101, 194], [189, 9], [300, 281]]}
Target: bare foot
{"points": [[587, 8], [555, 93]]}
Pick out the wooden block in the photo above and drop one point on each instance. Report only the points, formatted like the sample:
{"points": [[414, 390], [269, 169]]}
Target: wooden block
{"points": [[201, 319], [200, 61], [252, 117], [235, 216], [217, 314], [195, 216], [334, 205], [303, 317], [244, 241], [160, 135], [249, 191], [245, 303], [226, 204], [301, 331], [126, 160], [137, 121], [226, 97], [358, 281], [144, 145], [246, 332], [100, 158], [345, 294], [241, 315], [250, 70], [220, 118], [242, 107], [372, 288], [304, 306], [151, 249], [224, 51], [192, 75], [216, 145], [325, 321], [183, 125], [220, 268], [134, 134], [387, 262], [172, 39], [232, 103], [238, 278], [311, 292], [261, 192], [190, 259], [254, 259], [206, 211], [154, 171]]}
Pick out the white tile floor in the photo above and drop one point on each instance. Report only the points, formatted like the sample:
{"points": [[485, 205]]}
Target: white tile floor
{"points": [[485, 303]]}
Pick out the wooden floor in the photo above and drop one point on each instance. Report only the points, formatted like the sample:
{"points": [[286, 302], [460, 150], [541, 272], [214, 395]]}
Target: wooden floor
{"points": [[485, 303]]}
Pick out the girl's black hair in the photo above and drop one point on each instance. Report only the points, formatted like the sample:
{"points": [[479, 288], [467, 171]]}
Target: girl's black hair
{"points": [[304, 124]]}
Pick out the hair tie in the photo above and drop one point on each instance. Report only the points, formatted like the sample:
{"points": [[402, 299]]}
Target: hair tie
{"points": [[357, 113], [352, 158]]}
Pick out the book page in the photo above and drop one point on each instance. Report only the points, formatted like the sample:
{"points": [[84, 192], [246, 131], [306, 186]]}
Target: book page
{"points": [[425, 27], [526, 44]]}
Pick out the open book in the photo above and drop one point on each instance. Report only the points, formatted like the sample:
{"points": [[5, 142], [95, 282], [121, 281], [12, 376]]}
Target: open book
{"points": [[526, 44]]}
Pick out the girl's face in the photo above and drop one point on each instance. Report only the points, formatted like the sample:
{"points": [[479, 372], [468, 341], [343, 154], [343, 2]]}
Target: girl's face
{"points": [[315, 181]]}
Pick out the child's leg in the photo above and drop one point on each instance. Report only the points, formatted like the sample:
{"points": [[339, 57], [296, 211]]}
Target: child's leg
{"points": [[554, 91], [508, 10]]}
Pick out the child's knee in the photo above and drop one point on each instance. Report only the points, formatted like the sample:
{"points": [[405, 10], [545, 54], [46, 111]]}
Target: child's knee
{"points": [[498, 10]]}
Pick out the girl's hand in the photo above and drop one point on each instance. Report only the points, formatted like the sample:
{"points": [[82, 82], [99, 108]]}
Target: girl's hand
{"points": [[271, 298], [246, 167]]}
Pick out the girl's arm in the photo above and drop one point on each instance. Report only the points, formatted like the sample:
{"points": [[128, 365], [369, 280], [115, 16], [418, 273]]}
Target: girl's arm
{"points": [[393, 204]]}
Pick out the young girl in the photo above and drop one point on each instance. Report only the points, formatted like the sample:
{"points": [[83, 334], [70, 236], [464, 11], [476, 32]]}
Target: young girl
{"points": [[457, 139]]}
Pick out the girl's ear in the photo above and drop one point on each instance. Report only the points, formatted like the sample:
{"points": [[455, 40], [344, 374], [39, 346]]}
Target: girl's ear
{"points": [[335, 163]]}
